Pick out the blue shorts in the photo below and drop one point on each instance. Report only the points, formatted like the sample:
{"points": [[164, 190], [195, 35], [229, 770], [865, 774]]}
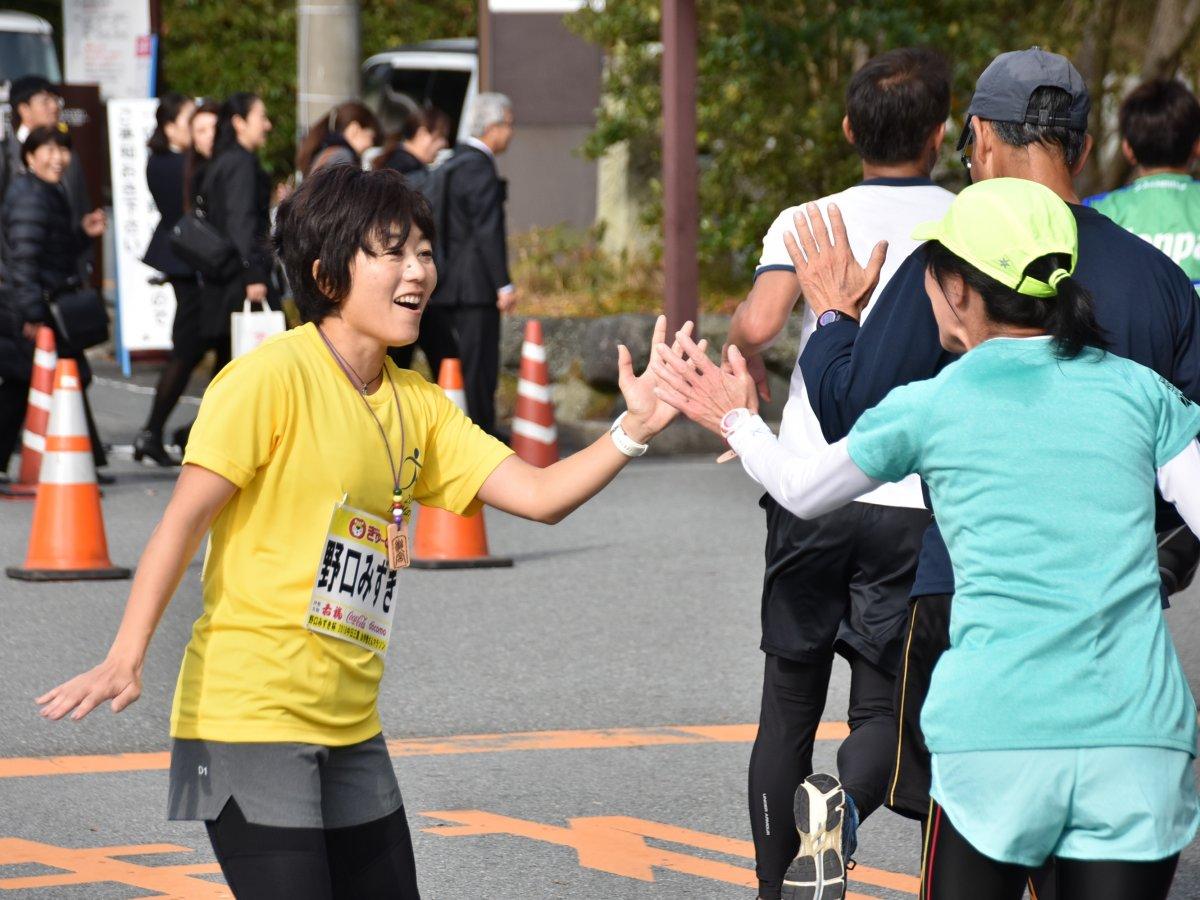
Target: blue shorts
{"points": [[1023, 806]]}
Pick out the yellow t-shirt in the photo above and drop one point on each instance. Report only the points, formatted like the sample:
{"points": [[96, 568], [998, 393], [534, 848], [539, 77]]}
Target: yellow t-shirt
{"points": [[285, 425]]}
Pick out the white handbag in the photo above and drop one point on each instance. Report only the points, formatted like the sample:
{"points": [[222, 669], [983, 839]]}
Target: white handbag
{"points": [[248, 328]]}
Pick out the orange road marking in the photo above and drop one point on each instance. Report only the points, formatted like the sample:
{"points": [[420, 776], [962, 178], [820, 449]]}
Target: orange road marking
{"points": [[580, 739], [100, 864], [617, 845]]}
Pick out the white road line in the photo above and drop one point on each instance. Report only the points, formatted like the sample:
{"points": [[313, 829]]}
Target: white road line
{"points": [[138, 389]]}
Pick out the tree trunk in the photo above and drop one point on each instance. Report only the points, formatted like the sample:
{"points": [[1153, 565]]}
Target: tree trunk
{"points": [[1092, 60]]}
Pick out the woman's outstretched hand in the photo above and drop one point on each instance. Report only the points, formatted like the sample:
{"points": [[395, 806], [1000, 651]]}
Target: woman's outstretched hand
{"points": [[696, 387], [648, 413], [113, 680]]}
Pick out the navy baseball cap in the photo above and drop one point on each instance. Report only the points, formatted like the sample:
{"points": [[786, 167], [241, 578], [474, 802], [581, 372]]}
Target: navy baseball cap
{"points": [[1004, 89]]}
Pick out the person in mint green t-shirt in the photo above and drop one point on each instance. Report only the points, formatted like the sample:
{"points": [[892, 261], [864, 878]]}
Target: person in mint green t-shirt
{"points": [[1060, 719], [1160, 137]]}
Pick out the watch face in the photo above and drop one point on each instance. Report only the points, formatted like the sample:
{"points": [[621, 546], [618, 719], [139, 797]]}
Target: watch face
{"points": [[828, 317], [731, 419]]}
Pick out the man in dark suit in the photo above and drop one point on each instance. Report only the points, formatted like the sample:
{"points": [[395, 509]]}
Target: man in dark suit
{"points": [[36, 103], [475, 289]]}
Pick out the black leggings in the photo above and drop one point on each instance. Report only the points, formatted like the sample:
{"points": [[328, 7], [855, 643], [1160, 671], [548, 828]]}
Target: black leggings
{"points": [[792, 703], [952, 869], [372, 861]]}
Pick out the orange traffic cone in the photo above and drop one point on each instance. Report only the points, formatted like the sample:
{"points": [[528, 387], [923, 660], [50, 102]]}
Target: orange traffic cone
{"points": [[66, 541], [37, 417], [534, 432], [442, 539]]}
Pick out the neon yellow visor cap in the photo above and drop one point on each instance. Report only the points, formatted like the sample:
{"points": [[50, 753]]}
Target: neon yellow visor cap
{"points": [[1002, 225]]}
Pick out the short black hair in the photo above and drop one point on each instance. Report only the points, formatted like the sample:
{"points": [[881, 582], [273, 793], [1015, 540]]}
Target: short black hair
{"points": [[337, 211], [1056, 103], [895, 101], [1161, 121], [23, 89], [46, 134]]}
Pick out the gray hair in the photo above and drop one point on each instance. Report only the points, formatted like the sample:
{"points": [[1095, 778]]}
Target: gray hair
{"points": [[488, 110]]}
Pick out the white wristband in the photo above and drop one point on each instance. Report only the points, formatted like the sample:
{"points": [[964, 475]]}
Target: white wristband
{"points": [[623, 441]]}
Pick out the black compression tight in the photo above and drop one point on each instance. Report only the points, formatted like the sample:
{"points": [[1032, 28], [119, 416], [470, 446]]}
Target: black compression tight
{"points": [[363, 862], [954, 870]]}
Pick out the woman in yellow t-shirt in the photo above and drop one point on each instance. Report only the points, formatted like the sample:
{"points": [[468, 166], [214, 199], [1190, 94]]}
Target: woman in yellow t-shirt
{"points": [[303, 464]]}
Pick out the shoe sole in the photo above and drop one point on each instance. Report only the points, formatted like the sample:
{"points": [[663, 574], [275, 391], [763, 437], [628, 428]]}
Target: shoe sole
{"points": [[818, 871]]}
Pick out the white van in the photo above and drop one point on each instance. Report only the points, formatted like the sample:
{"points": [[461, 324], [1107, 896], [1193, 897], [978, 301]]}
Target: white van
{"points": [[441, 73], [27, 47]]}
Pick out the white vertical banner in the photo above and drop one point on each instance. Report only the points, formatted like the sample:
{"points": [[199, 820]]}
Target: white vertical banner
{"points": [[145, 311], [107, 42]]}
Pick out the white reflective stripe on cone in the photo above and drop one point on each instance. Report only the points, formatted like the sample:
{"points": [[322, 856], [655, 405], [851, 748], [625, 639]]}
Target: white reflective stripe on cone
{"points": [[40, 399], [67, 418], [457, 397], [533, 351], [545, 434], [538, 392], [45, 359], [33, 441], [68, 467]]}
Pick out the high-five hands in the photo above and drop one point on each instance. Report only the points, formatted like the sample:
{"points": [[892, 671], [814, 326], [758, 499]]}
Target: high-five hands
{"points": [[648, 413], [696, 387], [829, 275]]}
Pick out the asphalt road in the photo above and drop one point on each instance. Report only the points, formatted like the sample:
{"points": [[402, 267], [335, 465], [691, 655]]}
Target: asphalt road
{"points": [[576, 726]]}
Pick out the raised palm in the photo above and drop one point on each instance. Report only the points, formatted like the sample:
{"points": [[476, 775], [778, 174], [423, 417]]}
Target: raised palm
{"points": [[638, 390]]}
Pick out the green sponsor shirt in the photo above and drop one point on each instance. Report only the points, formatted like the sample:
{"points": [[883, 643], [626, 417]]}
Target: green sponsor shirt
{"points": [[1162, 209]]}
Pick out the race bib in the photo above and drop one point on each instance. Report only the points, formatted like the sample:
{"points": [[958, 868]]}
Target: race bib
{"points": [[355, 594]]}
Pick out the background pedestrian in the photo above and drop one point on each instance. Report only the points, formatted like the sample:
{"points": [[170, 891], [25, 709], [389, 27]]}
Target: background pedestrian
{"points": [[475, 288], [44, 243], [425, 134], [166, 178], [340, 137]]}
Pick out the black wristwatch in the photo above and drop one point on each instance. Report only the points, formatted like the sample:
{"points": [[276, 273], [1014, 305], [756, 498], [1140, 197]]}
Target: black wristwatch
{"points": [[832, 315]]}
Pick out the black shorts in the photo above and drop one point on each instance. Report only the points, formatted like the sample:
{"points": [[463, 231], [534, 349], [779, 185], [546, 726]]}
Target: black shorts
{"points": [[925, 640], [840, 581]]}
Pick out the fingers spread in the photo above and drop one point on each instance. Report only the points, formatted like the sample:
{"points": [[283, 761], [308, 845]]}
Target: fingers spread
{"points": [[695, 355], [819, 231], [624, 363], [805, 234], [793, 250], [875, 263], [838, 225], [660, 331]]}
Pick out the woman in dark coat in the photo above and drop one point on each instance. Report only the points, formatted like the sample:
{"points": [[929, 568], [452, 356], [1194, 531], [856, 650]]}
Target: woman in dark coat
{"points": [[44, 245], [236, 194], [339, 138], [169, 146], [425, 134]]}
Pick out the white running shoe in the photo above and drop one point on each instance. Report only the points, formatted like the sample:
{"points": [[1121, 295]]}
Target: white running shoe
{"points": [[819, 870]]}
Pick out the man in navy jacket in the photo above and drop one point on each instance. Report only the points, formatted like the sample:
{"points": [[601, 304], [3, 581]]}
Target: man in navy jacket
{"points": [[1028, 119]]}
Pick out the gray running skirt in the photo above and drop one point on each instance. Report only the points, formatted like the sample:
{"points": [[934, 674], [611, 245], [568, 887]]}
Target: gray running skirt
{"points": [[284, 785]]}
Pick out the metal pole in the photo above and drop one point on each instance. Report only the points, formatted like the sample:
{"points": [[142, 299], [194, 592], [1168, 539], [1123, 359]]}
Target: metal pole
{"points": [[328, 57], [680, 174]]}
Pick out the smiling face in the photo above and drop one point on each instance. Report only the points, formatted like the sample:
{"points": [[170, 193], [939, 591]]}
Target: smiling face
{"points": [[49, 161], [389, 290]]}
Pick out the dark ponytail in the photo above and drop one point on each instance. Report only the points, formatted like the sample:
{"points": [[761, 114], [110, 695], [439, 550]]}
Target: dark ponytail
{"points": [[1069, 317], [170, 105], [238, 104]]}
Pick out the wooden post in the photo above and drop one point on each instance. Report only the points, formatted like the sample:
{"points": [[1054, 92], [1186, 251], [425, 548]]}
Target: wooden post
{"points": [[681, 202]]}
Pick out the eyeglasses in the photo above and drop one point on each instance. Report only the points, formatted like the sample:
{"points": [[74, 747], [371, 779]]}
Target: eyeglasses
{"points": [[968, 147]]}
